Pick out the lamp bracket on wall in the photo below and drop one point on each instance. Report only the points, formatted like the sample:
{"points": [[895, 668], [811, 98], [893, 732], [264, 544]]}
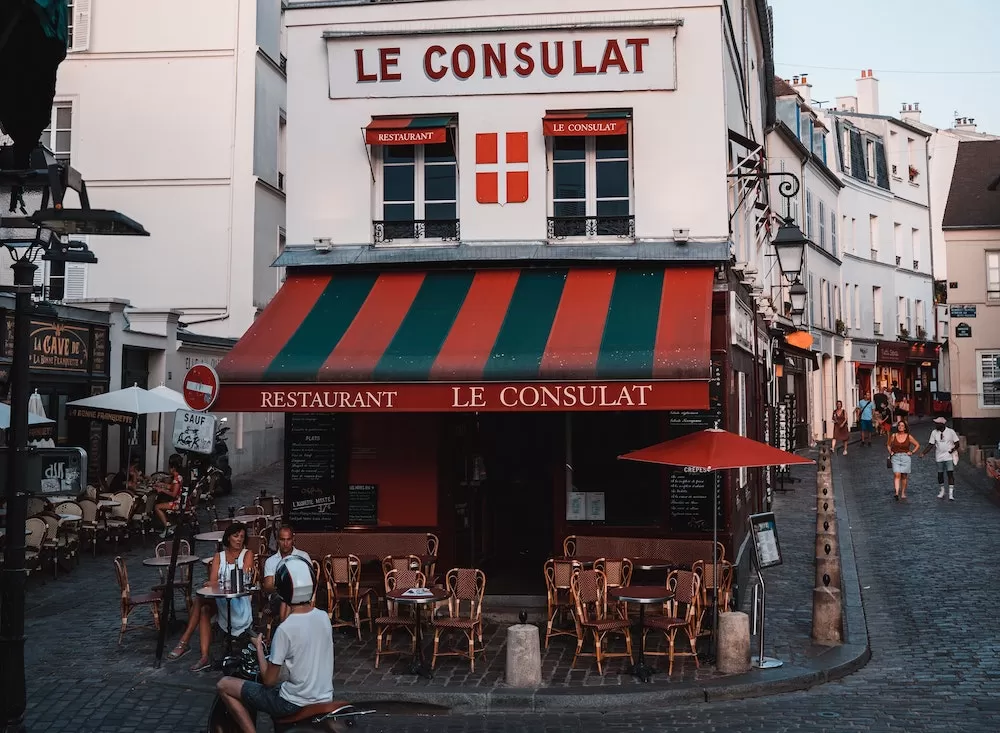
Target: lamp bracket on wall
{"points": [[788, 189]]}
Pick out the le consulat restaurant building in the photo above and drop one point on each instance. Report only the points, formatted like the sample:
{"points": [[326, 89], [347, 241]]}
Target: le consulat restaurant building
{"points": [[510, 230]]}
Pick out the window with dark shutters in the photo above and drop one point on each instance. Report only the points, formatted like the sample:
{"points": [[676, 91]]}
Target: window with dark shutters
{"points": [[858, 168], [881, 169]]}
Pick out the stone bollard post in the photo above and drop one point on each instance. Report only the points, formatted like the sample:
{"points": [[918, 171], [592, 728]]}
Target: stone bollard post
{"points": [[826, 545], [825, 506], [828, 572], [824, 486], [826, 524], [524, 657], [733, 653], [828, 615]]}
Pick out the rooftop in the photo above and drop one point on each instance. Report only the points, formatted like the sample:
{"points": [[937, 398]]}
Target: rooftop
{"points": [[971, 203]]}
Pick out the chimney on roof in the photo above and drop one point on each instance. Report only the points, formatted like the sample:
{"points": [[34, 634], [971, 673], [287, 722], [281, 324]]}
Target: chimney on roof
{"points": [[965, 123], [847, 104], [803, 87], [910, 112], [867, 93]]}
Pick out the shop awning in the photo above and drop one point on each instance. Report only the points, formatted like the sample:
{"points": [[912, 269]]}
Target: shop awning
{"points": [[408, 130], [543, 339], [587, 124]]}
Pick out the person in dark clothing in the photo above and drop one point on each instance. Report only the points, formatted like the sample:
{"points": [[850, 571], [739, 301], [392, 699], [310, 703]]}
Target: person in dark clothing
{"points": [[881, 400]]}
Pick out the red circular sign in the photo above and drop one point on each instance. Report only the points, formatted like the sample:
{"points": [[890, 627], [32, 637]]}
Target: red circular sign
{"points": [[201, 387]]}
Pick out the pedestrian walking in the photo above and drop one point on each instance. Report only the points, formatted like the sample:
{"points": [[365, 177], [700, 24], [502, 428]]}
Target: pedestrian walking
{"points": [[944, 440], [841, 430], [903, 408], [863, 414], [901, 445]]}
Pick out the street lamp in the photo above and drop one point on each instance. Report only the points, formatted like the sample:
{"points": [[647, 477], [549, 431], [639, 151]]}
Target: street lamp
{"points": [[790, 246], [26, 233], [798, 294]]}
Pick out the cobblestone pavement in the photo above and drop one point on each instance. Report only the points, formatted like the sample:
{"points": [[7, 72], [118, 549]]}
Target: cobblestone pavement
{"points": [[934, 652]]}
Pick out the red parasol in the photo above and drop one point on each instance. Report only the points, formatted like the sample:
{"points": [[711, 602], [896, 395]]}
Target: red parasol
{"points": [[714, 449]]}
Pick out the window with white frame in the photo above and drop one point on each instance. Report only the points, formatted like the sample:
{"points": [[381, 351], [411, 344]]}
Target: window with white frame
{"points": [[70, 6], [77, 25], [822, 224], [870, 159], [809, 213], [824, 302], [591, 186], [282, 149], [877, 308], [847, 304], [833, 233], [993, 276], [901, 315], [873, 234], [857, 306], [417, 191], [988, 377], [282, 241], [915, 246], [918, 308], [812, 302], [838, 313], [61, 281], [57, 136], [829, 305]]}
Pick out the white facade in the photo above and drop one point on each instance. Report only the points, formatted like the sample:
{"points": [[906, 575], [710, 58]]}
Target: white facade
{"points": [[175, 122]]}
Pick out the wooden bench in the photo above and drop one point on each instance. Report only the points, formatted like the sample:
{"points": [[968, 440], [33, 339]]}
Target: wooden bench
{"points": [[368, 546], [681, 553]]}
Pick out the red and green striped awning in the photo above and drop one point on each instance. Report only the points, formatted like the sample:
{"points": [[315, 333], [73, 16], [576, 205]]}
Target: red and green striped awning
{"points": [[407, 130], [576, 338]]}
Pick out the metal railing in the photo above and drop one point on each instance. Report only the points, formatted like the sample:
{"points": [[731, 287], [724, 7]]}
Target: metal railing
{"points": [[389, 231], [561, 227]]}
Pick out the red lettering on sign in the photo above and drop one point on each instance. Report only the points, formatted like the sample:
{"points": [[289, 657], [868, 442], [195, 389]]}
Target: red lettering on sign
{"points": [[578, 59], [359, 56], [432, 73], [463, 72], [493, 59], [527, 64], [613, 57], [389, 59], [636, 44], [553, 68]]}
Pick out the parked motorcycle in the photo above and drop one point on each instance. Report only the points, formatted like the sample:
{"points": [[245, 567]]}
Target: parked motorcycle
{"points": [[221, 482], [331, 717]]}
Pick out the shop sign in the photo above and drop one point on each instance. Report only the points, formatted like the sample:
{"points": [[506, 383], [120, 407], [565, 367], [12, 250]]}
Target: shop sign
{"points": [[482, 397], [963, 331], [740, 323], [962, 311], [894, 352], [920, 353], [864, 353], [483, 61], [62, 347]]}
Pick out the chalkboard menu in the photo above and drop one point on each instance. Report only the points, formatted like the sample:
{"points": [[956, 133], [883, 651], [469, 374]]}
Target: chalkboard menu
{"points": [[692, 493], [362, 504], [311, 471]]}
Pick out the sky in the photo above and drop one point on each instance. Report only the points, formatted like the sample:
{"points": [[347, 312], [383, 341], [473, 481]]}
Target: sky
{"points": [[940, 54]]}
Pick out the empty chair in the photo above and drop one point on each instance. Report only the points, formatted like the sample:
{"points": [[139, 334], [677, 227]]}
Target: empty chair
{"points": [[118, 519], [34, 542], [558, 574], [92, 524], [36, 505], [681, 613], [590, 600], [131, 602], [54, 547], [251, 509], [722, 591], [343, 580], [618, 573], [466, 587], [266, 504], [182, 575], [393, 620]]}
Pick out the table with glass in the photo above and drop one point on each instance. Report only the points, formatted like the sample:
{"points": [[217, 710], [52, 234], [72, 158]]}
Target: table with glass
{"points": [[418, 598], [217, 591], [643, 595]]}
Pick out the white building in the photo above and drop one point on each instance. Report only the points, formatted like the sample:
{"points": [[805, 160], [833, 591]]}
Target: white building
{"points": [[175, 116]]}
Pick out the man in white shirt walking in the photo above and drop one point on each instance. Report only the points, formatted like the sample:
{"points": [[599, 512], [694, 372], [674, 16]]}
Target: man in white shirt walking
{"points": [[945, 443]]}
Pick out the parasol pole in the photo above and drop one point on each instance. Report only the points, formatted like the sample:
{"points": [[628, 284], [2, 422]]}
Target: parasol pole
{"points": [[715, 564]]}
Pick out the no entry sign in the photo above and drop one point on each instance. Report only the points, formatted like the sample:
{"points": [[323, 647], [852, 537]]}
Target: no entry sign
{"points": [[201, 387]]}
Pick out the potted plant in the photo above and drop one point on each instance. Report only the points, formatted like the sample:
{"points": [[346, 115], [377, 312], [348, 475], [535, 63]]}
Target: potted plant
{"points": [[904, 332], [921, 332], [841, 327], [914, 173]]}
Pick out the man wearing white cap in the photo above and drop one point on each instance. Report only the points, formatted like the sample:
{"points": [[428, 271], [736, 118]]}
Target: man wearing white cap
{"points": [[945, 443]]}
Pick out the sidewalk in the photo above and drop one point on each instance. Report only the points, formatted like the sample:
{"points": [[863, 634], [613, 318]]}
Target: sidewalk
{"points": [[73, 657]]}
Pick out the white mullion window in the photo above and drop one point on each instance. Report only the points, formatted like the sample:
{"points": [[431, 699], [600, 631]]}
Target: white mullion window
{"points": [[591, 185], [57, 137], [417, 191], [988, 376], [993, 276]]}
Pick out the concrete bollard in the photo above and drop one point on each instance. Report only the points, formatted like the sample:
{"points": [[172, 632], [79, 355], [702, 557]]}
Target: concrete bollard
{"points": [[828, 616], [826, 545], [826, 524], [733, 653], [976, 456], [963, 444], [825, 505], [824, 486], [828, 572], [524, 657]]}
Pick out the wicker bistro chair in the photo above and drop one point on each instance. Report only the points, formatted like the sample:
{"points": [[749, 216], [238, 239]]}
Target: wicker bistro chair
{"points": [[590, 599], [558, 574], [182, 578], [618, 573], [682, 613], [70, 530], [119, 518], [466, 587], [131, 602], [56, 546], [343, 582], [92, 523], [248, 509], [393, 620], [36, 505], [723, 593], [143, 513], [34, 542]]}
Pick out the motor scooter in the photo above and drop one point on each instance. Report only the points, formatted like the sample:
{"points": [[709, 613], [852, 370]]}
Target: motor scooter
{"points": [[330, 717]]}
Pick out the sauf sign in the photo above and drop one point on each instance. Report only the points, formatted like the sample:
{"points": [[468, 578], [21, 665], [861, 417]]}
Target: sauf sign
{"points": [[502, 62]]}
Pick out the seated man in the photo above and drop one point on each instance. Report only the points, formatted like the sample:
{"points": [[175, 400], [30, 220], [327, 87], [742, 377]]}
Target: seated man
{"points": [[302, 653], [286, 548]]}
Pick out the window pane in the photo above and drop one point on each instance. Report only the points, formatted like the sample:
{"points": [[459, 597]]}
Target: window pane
{"points": [[612, 146], [439, 211], [398, 183], [64, 117], [569, 208], [398, 212], [62, 141], [612, 179], [569, 180], [439, 153], [397, 153], [568, 148], [612, 208], [439, 182]]}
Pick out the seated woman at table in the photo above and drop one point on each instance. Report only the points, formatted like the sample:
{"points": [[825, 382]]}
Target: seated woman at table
{"points": [[233, 555], [122, 483], [168, 495]]}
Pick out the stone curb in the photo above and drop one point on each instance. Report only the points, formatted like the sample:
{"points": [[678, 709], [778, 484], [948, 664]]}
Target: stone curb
{"points": [[833, 664]]}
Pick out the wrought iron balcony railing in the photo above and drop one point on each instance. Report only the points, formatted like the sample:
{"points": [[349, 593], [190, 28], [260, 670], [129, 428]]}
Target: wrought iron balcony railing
{"points": [[561, 227], [389, 231]]}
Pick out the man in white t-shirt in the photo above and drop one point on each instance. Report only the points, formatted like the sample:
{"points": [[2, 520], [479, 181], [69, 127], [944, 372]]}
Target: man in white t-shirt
{"points": [[286, 548], [944, 440], [301, 655]]}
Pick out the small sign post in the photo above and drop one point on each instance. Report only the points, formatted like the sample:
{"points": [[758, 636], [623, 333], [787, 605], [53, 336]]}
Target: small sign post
{"points": [[194, 432], [767, 554], [201, 387]]}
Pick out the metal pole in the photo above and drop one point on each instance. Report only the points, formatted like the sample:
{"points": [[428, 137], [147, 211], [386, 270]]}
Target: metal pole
{"points": [[168, 591], [715, 565], [12, 684], [760, 661]]}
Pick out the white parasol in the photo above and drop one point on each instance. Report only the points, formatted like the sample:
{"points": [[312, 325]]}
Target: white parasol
{"points": [[132, 400]]}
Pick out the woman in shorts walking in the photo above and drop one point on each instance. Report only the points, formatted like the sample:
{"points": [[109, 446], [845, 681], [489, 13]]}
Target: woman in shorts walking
{"points": [[901, 445]]}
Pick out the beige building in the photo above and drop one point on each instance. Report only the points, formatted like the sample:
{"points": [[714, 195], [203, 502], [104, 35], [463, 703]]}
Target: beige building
{"points": [[971, 229]]}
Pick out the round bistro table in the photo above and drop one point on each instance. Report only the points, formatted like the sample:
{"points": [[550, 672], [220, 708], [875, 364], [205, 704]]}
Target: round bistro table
{"points": [[643, 595], [418, 666], [217, 591], [215, 536]]}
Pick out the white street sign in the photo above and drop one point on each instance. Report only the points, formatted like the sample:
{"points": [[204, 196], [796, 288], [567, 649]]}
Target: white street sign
{"points": [[194, 431]]}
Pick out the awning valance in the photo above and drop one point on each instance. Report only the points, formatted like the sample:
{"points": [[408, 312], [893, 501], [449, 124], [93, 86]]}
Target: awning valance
{"points": [[408, 130], [587, 124], [583, 338]]}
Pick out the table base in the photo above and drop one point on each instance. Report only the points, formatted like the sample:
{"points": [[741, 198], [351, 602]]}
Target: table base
{"points": [[641, 670]]}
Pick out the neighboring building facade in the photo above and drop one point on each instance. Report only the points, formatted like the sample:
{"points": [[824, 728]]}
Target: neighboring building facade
{"points": [[971, 226], [510, 234]]}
